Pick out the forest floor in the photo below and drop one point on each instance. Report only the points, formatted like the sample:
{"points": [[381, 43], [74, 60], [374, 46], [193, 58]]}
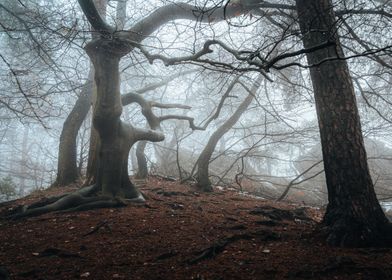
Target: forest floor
{"points": [[180, 233]]}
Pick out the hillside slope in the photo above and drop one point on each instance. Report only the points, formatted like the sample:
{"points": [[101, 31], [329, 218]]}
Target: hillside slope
{"points": [[181, 234]]}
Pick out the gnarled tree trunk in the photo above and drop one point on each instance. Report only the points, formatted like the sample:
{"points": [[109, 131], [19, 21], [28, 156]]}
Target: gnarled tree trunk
{"points": [[354, 216], [67, 171], [116, 137]]}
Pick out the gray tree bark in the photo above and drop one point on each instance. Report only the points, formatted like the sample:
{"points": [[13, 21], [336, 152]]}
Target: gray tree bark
{"points": [[67, 171]]}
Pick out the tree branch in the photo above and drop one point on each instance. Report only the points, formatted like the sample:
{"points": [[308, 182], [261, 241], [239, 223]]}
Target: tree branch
{"points": [[161, 83], [141, 134], [94, 18], [179, 117], [286, 191], [169, 106], [175, 11], [221, 102]]}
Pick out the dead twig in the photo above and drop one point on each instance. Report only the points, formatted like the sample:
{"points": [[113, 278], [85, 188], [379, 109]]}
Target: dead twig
{"points": [[97, 227]]}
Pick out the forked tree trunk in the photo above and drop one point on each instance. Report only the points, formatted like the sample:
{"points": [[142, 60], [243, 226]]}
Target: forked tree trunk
{"points": [[354, 216], [106, 56], [94, 144], [203, 161], [116, 138], [67, 171]]}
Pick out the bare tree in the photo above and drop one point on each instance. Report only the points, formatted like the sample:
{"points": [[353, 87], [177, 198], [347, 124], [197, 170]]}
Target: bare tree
{"points": [[203, 161], [116, 137]]}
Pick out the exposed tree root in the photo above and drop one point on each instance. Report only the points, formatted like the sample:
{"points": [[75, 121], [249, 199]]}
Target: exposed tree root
{"points": [[86, 198], [50, 252], [353, 234], [97, 227], [277, 214], [217, 248], [220, 245], [344, 229]]}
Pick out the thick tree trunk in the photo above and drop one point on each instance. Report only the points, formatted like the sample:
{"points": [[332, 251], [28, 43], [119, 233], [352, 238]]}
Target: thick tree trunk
{"points": [[203, 161], [115, 137], [106, 56], [94, 146], [354, 216], [67, 171]]}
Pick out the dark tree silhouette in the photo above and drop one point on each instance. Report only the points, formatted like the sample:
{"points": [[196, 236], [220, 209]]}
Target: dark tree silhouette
{"points": [[354, 216]]}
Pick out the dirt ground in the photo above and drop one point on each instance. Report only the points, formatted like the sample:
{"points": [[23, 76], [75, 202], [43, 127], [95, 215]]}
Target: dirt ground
{"points": [[181, 234]]}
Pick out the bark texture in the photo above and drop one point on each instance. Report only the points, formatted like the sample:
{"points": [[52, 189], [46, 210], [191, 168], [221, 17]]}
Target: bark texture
{"points": [[92, 162], [67, 171], [354, 216], [116, 137]]}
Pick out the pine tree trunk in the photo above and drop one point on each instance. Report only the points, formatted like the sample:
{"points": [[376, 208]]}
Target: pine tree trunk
{"points": [[354, 216]]}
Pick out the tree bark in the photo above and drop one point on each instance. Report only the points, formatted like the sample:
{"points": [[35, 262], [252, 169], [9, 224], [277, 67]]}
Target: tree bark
{"points": [[92, 162], [107, 112], [67, 171], [142, 169], [203, 161], [116, 138], [354, 216]]}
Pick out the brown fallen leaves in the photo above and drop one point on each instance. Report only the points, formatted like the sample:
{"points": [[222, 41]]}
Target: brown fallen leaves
{"points": [[182, 234]]}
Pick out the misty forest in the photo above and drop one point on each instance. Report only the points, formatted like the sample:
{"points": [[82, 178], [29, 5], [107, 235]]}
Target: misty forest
{"points": [[165, 139]]}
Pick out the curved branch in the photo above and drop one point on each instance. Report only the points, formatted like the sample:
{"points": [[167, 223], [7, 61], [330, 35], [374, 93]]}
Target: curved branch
{"points": [[147, 135], [175, 11], [364, 12], [94, 18], [186, 118], [221, 102], [293, 182], [196, 57], [169, 106], [161, 83], [152, 119]]}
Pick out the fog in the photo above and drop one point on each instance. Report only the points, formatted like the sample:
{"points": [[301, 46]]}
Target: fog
{"points": [[272, 146]]}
